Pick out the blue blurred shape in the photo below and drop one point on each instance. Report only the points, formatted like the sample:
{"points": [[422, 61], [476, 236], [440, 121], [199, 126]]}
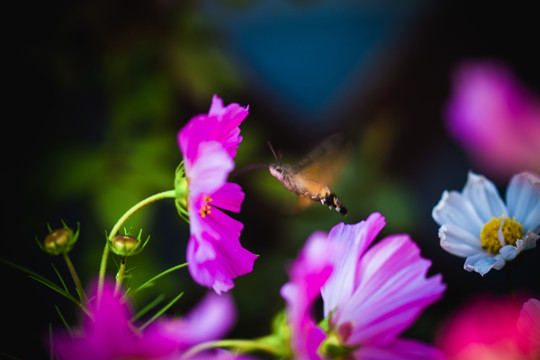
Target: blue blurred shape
{"points": [[311, 57]]}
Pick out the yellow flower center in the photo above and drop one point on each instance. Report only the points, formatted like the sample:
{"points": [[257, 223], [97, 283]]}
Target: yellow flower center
{"points": [[509, 229], [205, 208]]}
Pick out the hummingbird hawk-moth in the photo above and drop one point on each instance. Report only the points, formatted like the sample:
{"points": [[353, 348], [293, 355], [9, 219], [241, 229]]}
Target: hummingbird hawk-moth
{"points": [[308, 178]]}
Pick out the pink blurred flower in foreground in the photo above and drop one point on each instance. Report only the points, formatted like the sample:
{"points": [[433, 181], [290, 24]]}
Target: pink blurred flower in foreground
{"points": [[308, 274], [492, 328], [110, 334], [208, 144], [495, 118], [370, 296]]}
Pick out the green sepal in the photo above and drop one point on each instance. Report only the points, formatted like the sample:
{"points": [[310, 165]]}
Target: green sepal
{"points": [[181, 189], [325, 324], [332, 347]]}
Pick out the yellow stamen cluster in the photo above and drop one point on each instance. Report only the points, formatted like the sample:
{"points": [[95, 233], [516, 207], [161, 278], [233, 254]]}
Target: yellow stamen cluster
{"points": [[489, 236], [205, 208]]}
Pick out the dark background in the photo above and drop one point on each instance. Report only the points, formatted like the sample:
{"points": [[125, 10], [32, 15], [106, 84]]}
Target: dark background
{"points": [[97, 91]]}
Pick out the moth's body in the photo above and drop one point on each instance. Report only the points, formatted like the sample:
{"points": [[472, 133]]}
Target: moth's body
{"points": [[300, 183]]}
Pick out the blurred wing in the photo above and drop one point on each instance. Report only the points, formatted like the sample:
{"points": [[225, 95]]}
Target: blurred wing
{"points": [[325, 163], [302, 203]]}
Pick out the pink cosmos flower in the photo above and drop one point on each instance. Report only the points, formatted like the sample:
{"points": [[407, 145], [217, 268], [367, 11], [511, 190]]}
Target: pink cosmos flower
{"points": [[495, 118], [110, 334], [369, 298], [492, 328], [208, 144]]}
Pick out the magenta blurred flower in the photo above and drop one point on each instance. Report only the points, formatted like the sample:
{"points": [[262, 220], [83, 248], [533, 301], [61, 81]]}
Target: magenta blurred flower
{"points": [[370, 296], [495, 118], [208, 144], [308, 274], [529, 323], [110, 334], [478, 225], [492, 328]]}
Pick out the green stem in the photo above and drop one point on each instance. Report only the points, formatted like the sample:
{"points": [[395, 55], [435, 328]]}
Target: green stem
{"points": [[118, 225], [237, 344], [75, 277], [120, 275]]}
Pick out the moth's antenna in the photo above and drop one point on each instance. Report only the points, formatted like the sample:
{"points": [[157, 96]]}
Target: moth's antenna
{"points": [[274, 152]]}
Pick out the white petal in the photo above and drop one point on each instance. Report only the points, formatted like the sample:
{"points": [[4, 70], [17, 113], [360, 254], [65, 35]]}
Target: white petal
{"points": [[523, 199], [455, 209], [499, 262], [458, 241], [209, 172], [484, 196], [481, 263], [508, 252], [528, 242]]}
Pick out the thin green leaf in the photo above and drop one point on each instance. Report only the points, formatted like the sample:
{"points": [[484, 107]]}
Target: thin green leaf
{"points": [[60, 277], [158, 276], [22, 268], [160, 312], [148, 307], [34, 275], [55, 287], [63, 320], [81, 296]]}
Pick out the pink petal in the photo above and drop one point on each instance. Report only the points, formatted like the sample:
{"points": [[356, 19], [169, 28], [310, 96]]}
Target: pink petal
{"points": [[216, 257], [190, 137], [221, 124], [529, 324], [484, 326], [108, 336], [209, 320], [354, 239], [230, 118], [400, 350], [228, 197], [307, 275], [495, 118], [392, 291], [210, 170]]}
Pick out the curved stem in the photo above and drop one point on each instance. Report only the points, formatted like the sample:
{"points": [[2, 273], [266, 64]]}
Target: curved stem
{"points": [[237, 344], [118, 225]]}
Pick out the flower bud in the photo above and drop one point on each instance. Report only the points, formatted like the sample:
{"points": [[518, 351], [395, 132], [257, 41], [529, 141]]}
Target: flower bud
{"points": [[127, 245], [60, 240], [124, 244]]}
